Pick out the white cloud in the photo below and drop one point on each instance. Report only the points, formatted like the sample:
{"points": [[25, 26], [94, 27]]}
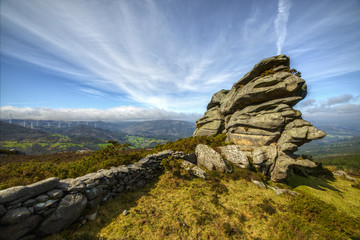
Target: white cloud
{"points": [[307, 103], [112, 114], [344, 108], [339, 99]]}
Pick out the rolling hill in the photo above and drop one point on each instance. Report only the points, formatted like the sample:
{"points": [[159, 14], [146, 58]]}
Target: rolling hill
{"points": [[13, 132], [99, 133], [162, 129]]}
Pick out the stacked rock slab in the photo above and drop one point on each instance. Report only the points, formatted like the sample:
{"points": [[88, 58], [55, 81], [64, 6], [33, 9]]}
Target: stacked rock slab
{"points": [[257, 115]]}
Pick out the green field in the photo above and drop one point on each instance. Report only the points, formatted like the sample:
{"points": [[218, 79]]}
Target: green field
{"points": [[143, 142]]}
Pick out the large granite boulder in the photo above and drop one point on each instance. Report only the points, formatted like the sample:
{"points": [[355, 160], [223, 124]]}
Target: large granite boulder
{"points": [[257, 115], [234, 155], [210, 159]]}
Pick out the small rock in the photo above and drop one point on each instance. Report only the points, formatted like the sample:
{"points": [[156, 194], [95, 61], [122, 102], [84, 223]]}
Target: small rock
{"points": [[282, 191], [55, 194], [42, 198], [125, 212], [258, 183], [193, 169], [343, 174], [14, 206], [91, 217], [29, 202]]}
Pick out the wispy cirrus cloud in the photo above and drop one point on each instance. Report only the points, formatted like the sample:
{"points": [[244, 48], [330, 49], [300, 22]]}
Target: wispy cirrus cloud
{"points": [[146, 51], [280, 23]]}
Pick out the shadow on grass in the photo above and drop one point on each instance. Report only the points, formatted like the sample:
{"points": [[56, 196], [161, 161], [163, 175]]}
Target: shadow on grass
{"points": [[319, 183], [107, 213]]}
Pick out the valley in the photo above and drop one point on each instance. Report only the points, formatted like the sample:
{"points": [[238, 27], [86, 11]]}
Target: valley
{"points": [[44, 138]]}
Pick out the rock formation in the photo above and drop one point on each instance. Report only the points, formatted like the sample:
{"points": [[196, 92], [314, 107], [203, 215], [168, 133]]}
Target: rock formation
{"points": [[257, 115]]}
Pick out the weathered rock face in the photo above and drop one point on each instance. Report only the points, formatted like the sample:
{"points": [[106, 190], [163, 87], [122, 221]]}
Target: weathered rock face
{"points": [[257, 112]]}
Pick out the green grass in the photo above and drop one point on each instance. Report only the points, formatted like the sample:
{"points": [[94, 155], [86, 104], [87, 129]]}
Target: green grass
{"points": [[143, 142], [22, 145], [338, 192], [182, 207], [22, 173], [103, 145]]}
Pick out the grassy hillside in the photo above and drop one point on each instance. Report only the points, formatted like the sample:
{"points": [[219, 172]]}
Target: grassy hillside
{"points": [[161, 129], [182, 207], [179, 206], [23, 170], [12, 132], [87, 131]]}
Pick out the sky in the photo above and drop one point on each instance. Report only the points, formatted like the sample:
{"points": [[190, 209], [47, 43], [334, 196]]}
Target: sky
{"points": [[163, 59]]}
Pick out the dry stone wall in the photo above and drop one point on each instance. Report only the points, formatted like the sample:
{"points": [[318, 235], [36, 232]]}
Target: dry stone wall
{"points": [[49, 206]]}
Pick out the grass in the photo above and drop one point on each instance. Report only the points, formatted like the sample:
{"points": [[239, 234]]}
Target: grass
{"points": [[143, 142], [339, 192], [182, 207]]}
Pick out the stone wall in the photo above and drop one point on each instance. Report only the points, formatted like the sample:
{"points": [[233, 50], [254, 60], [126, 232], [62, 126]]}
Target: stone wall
{"points": [[49, 206]]}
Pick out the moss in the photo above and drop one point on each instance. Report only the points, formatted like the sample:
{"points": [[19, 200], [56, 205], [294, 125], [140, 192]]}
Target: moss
{"points": [[238, 86]]}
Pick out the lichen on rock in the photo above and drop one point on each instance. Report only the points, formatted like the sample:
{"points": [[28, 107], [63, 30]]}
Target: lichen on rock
{"points": [[257, 112]]}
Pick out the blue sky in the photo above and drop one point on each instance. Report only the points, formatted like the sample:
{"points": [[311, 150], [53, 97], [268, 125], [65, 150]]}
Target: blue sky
{"points": [[164, 59]]}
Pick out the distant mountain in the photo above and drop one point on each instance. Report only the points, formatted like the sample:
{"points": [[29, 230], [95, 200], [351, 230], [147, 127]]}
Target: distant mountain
{"points": [[13, 132], [161, 129], [87, 131]]}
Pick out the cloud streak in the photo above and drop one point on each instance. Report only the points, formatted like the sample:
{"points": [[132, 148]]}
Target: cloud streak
{"points": [[281, 21]]}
